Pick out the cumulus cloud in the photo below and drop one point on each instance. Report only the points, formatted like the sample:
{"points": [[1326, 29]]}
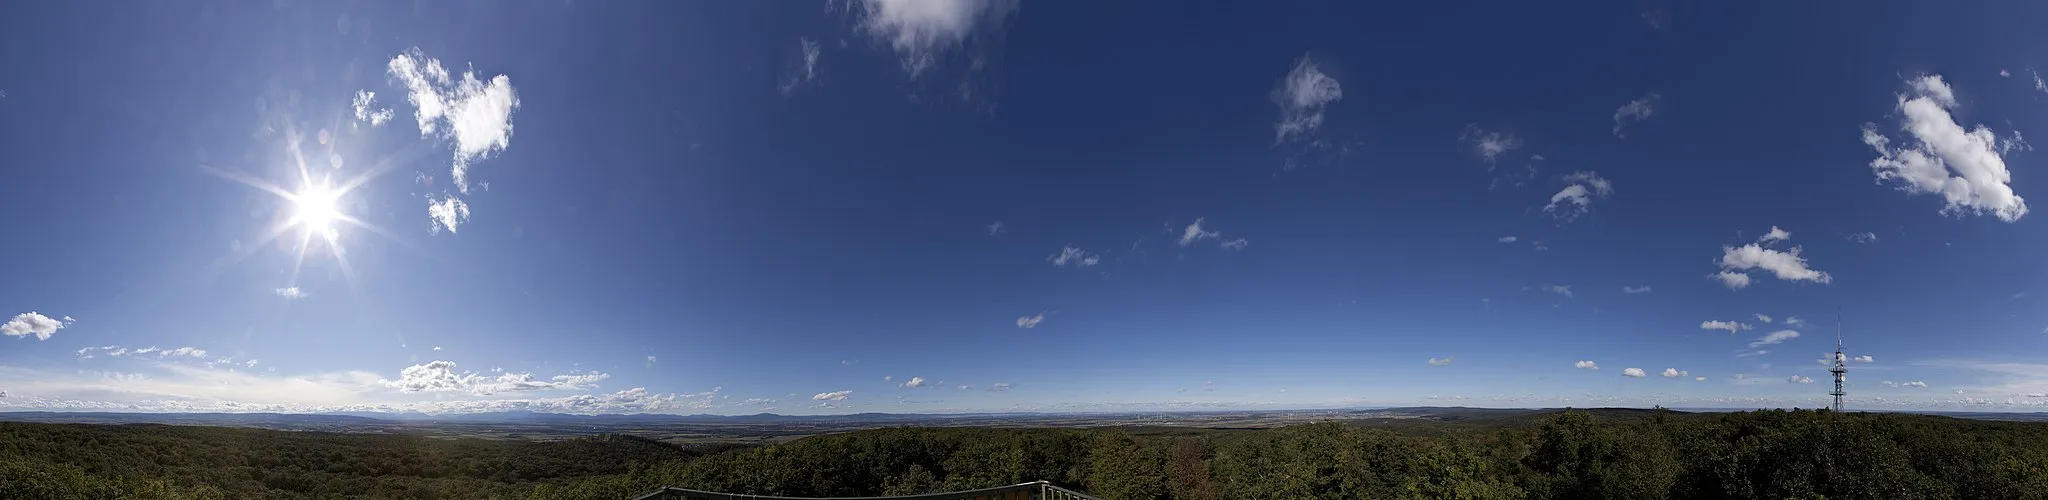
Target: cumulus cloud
{"points": [[441, 376], [1915, 383], [1074, 255], [1439, 361], [914, 382], [1865, 237], [1581, 188], [1776, 234], [922, 31], [448, 213], [1864, 359], [1030, 321], [1506, 239], [1633, 373], [1776, 337], [32, 323], [808, 72], [1636, 289], [1787, 265], [1302, 97], [1194, 232], [1796, 379], [1635, 111], [1937, 155], [1763, 317], [1674, 373], [476, 114], [757, 402], [366, 111], [1565, 290], [1730, 326], [1489, 145], [291, 292], [1586, 365], [832, 396]]}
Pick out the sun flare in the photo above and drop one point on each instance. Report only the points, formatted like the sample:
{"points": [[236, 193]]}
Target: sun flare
{"points": [[316, 209]]}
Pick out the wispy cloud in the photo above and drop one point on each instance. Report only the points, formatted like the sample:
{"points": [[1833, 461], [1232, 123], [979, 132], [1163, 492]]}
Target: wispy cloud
{"points": [[1302, 96], [32, 323], [1074, 255], [1635, 111], [366, 111], [1194, 232], [1581, 188], [1236, 244], [805, 73], [1966, 167], [448, 213], [1439, 361], [1865, 237], [1864, 359], [1493, 148], [441, 376], [1586, 365], [922, 31], [1636, 289], [291, 293], [1730, 326], [1797, 379], [1506, 239], [475, 113], [1776, 337], [995, 229], [1565, 290], [1775, 234], [1031, 321], [1766, 318], [999, 387], [832, 396]]}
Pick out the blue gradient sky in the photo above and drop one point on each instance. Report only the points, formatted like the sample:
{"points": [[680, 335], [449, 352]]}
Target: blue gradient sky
{"points": [[687, 214]]}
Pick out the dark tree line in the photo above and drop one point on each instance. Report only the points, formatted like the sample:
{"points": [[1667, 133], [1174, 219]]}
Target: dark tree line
{"points": [[1566, 455]]}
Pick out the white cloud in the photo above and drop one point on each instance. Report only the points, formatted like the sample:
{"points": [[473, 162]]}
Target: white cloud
{"points": [[1586, 365], [757, 402], [1733, 280], [914, 382], [809, 71], [1633, 373], [1636, 289], [441, 376], [1302, 96], [1775, 235], [650, 358], [1674, 373], [448, 213], [1580, 191], [1967, 167], [32, 323], [888, 378], [1864, 359], [1776, 337], [366, 112], [1730, 326], [1863, 237], [1736, 262], [189, 352], [1506, 239], [999, 387], [995, 229], [832, 396], [1763, 317], [1489, 145], [1794, 321], [1799, 380], [923, 30], [1030, 321], [1565, 290], [2039, 84], [1236, 244], [1635, 111], [1439, 361], [1194, 233], [2002, 73], [1074, 255], [291, 292], [1915, 383], [1700, 379], [477, 114]]}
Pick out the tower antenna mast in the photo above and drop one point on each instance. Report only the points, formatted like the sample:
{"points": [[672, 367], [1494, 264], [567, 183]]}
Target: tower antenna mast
{"points": [[1841, 367]]}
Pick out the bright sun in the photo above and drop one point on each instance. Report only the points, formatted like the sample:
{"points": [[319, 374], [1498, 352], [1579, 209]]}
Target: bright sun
{"points": [[316, 209]]}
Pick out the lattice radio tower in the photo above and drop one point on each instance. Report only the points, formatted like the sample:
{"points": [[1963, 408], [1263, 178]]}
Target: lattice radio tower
{"points": [[1841, 368]]}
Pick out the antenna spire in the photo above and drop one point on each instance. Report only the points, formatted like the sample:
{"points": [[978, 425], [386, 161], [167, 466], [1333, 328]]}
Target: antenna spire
{"points": [[1841, 367]]}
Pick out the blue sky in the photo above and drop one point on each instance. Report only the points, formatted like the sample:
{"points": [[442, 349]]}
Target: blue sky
{"points": [[803, 207]]}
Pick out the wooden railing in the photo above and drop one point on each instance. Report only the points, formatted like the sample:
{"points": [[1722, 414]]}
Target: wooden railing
{"points": [[1035, 490]]}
